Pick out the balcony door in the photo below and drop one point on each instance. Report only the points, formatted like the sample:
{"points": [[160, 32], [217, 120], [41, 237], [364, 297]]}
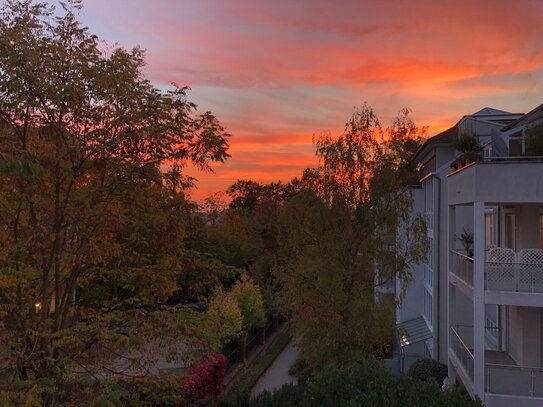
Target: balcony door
{"points": [[509, 229], [491, 228]]}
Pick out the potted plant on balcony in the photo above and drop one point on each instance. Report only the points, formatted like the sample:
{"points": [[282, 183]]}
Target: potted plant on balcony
{"points": [[470, 149], [466, 239]]}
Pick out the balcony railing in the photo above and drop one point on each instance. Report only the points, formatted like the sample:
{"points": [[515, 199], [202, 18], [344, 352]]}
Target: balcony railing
{"points": [[516, 277], [462, 267], [514, 380], [462, 352]]}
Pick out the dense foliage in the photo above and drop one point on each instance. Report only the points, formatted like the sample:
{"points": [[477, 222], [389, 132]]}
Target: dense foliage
{"points": [[94, 219], [347, 232], [428, 369], [361, 384], [250, 302]]}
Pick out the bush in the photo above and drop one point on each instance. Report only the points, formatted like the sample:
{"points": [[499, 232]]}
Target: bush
{"points": [[368, 383], [301, 370], [205, 381], [428, 369], [467, 143]]}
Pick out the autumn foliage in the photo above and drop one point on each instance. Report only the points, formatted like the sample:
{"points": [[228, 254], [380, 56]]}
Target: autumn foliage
{"points": [[205, 380]]}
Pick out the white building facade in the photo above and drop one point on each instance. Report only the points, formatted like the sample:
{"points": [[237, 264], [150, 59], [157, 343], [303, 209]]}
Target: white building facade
{"points": [[476, 304]]}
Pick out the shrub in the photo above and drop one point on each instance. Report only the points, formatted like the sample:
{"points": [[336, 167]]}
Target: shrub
{"points": [[368, 383], [467, 143], [206, 380], [428, 369], [301, 370]]}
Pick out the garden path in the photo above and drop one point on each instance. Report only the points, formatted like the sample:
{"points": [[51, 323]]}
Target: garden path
{"points": [[277, 374]]}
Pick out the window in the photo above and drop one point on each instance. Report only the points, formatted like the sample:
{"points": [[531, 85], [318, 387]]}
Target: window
{"points": [[428, 309], [428, 267], [491, 236], [429, 202], [516, 145], [428, 167]]}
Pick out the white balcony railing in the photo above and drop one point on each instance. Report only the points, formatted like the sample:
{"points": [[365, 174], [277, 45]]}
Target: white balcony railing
{"points": [[462, 352], [514, 380], [516, 277], [462, 267]]}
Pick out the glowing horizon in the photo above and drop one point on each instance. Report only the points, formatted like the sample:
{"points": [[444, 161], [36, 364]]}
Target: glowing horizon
{"points": [[275, 73]]}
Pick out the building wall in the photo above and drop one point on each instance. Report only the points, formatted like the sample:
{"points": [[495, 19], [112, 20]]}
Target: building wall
{"points": [[412, 301]]}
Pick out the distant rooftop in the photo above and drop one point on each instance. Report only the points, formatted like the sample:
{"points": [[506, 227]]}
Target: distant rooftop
{"points": [[532, 115], [489, 111], [448, 136]]}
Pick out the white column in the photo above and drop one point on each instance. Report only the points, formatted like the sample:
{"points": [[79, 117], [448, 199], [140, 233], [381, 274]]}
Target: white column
{"points": [[479, 298], [451, 222]]}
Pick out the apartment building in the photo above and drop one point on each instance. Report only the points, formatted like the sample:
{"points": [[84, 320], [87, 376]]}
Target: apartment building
{"points": [[476, 304]]}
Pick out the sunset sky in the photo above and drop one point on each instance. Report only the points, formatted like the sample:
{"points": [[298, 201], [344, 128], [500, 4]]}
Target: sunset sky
{"points": [[276, 72]]}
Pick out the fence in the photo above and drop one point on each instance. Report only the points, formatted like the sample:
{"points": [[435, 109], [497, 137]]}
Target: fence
{"points": [[248, 344]]}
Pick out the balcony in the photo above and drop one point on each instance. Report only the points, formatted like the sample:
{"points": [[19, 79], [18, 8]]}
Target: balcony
{"points": [[505, 270], [462, 267], [520, 272], [462, 351], [504, 378], [497, 181], [514, 380]]}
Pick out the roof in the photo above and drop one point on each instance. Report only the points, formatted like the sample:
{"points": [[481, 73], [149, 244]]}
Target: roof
{"points": [[445, 138], [413, 331], [489, 111], [524, 118]]}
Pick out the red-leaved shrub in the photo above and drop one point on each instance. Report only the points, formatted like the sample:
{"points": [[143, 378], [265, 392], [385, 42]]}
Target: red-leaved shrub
{"points": [[205, 380]]}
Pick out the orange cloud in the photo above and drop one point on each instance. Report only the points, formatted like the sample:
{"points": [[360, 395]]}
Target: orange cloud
{"points": [[276, 72]]}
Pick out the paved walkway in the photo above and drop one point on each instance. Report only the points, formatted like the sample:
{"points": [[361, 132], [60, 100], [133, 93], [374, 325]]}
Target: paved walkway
{"points": [[277, 374]]}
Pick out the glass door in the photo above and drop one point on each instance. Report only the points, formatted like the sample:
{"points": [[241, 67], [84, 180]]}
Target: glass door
{"points": [[509, 230]]}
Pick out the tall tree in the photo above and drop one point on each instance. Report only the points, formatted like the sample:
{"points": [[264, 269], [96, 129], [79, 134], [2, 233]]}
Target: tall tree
{"points": [[353, 219], [106, 202]]}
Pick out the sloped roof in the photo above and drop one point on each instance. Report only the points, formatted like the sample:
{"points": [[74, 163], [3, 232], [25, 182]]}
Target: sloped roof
{"points": [[532, 114], [489, 111], [444, 138]]}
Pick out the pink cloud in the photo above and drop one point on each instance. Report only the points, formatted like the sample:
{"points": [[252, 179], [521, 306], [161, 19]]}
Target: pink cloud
{"points": [[276, 72]]}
